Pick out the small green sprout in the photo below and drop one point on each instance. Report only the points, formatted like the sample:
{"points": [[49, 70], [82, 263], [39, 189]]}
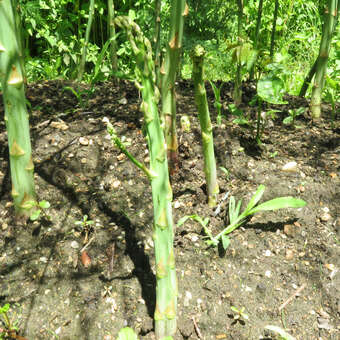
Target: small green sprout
{"points": [[290, 120], [85, 224], [185, 123], [226, 171], [239, 314], [127, 333], [10, 330], [40, 208], [241, 118], [273, 154]]}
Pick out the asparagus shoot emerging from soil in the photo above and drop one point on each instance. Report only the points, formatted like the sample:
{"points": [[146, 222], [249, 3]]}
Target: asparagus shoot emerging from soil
{"points": [[179, 10], [330, 16], [166, 282], [87, 37], [16, 117], [197, 56]]}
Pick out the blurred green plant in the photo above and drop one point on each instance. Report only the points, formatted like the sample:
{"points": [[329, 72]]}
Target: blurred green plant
{"points": [[241, 118], [127, 333], [85, 225], [293, 113], [332, 95], [271, 90], [217, 103], [10, 330], [239, 313], [40, 208], [282, 333]]}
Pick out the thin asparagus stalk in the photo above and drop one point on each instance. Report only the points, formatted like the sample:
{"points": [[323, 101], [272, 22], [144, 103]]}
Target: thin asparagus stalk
{"points": [[111, 33], [331, 12], [237, 93], [206, 127], [179, 10], [166, 282], [87, 37], [16, 116]]}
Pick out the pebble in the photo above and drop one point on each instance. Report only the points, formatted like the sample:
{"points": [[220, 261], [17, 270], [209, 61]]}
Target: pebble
{"points": [[325, 217], [116, 184], [43, 259], [74, 245], [187, 298], [83, 141], [176, 204], [267, 253], [268, 273], [122, 101], [289, 230], [290, 167], [289, 254], [121, 157]]}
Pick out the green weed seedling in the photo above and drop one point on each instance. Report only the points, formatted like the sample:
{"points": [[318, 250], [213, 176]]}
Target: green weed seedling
{"points": [[85, 224], [290, 119], [332, 95], [3, 311], [236, 219], [283, 334], [40, 209], [217, 103], [226, 171], [128, 333], [185, 123], [239, 314], [241, 118], [80, 94], [10, 331]]}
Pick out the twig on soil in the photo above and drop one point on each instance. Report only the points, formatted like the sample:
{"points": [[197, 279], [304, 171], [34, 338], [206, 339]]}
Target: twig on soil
{"points": [[290, 299], [197, 330], [87, 244]]}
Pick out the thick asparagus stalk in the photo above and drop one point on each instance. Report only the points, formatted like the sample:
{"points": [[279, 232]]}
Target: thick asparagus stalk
{"points": [[166, 286], [206, 128], [16, 117]]}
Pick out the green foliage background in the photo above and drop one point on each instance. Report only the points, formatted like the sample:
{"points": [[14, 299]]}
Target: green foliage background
{"points": [[53, 35]]}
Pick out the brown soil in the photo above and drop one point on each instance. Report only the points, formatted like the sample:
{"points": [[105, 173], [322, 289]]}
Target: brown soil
{"points": [[54, 296]]}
